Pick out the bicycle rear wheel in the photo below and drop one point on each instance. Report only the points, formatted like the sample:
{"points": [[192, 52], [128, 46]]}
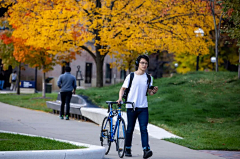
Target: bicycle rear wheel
{"points": [[121, 137], [105, 135]]}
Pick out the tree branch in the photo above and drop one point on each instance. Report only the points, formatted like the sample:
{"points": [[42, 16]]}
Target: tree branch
{"points": [[89, 51]]}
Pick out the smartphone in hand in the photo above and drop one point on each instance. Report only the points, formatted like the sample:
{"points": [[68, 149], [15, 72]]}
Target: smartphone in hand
{"points": [[151, 87]]}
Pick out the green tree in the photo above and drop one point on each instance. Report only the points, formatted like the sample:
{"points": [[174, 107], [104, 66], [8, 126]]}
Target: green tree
{"points": [[215, 7], [232, 10]]}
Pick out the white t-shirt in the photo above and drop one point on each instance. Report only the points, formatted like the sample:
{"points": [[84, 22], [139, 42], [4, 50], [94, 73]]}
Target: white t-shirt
{"points": [[137, 93]]}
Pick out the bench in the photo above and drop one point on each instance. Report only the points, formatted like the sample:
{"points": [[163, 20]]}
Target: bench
{"points": [[75, 106]]}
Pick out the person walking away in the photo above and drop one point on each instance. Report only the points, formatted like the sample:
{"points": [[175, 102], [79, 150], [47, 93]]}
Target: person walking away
{"points": [[138, 94], [1, 80], [67, 84], [13, 80]]}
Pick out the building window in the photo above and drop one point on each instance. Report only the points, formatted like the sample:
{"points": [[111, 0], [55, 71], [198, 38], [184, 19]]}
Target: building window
{"points": [[123, 74], [108, 74], [88, 73]]}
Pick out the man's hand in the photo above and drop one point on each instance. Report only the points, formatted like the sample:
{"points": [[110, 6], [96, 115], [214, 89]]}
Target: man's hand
{"points": [[119, 101], [154, 90], [73, 92]]}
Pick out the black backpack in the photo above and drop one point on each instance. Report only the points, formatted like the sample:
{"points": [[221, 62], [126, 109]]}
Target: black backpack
{"points": [[125, 95]]}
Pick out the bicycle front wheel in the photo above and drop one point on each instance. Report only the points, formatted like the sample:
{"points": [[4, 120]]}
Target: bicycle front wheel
{"points": [[105, 135], [121, 137]]}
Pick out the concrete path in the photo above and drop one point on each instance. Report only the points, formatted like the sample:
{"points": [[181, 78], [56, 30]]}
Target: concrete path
{"points": [[27, 121]]}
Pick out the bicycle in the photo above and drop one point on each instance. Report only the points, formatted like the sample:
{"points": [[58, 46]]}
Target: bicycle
{"points": [[108, 130]]}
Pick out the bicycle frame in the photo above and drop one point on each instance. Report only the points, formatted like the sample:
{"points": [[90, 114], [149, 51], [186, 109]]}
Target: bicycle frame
{"points": [[108, 132], [110, 117]]}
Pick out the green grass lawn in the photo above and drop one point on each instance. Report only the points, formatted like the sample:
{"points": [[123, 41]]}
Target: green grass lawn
{"points": [[16, 142], [201, 107], [31, 101]]}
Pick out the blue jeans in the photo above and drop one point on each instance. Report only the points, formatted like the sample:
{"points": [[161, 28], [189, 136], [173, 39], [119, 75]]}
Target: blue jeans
{"points": [[65, 99], [142, 115], [1, 84]]}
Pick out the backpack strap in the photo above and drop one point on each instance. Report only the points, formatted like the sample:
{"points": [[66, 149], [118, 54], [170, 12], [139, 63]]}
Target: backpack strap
{"points": [[131, 79], [125, 95], [148, 82]]}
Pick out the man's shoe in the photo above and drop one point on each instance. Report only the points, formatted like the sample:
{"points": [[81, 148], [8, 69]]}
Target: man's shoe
{"points": [[61, 117], [128, 153], [67, 118], [147, 153]]}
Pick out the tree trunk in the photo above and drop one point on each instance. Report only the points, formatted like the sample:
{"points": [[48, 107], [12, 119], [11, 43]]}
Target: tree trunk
{"points": [[99, 63], [216, 33], [216, 51], [197, 66], [217, 40], [130, 67], [239, 64], [216, 43], [129, 70], [19, 79], [99, 58], [43, 86], [35, 79]]}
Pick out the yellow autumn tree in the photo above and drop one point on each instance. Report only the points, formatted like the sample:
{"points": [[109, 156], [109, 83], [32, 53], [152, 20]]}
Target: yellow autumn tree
{"points": [[6, 45], [107, 27], [126, 61], [14, 51]]}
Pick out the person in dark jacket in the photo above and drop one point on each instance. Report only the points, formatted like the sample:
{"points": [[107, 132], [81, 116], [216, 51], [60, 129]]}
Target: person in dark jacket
{"points": [[1, 80], [67, 84]]}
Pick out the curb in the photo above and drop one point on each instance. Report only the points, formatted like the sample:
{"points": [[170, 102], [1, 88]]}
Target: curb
{"points": [[93, 152]]}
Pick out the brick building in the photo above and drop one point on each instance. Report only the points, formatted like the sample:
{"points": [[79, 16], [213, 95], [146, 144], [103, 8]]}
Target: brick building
{"points": [[83, 68]]}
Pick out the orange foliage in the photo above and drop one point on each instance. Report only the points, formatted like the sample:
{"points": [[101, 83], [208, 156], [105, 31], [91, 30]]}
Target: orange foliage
{"points": [[6, 40]]}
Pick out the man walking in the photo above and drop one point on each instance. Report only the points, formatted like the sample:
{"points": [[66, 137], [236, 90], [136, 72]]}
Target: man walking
{"points": [[67, 84], [13, 80], [139, 89]]}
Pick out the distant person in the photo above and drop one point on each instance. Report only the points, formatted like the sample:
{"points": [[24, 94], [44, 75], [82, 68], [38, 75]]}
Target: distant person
{"points": [[13, 80], [1, 80], [67, 84], [140, 87]]}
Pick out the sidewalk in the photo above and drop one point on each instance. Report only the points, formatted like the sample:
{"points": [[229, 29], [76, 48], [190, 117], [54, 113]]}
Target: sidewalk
{"points": [[97, 115], [21, 120]]}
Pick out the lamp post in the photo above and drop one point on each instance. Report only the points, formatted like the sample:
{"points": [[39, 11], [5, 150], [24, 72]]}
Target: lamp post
{"points": [[213, 60], [176, 65], [197, 32]]}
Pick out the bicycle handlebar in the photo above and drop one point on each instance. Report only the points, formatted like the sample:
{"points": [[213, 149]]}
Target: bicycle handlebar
{"points": [[111, 102]]}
